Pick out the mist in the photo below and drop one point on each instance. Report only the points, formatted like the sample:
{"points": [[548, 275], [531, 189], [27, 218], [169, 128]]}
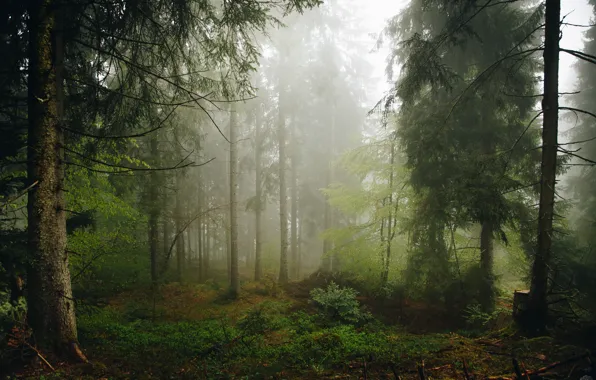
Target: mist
{"points": [[297, 189]]}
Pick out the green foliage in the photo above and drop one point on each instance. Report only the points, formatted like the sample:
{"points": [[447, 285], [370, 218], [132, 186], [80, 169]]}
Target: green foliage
{"points": [[339, 305]]}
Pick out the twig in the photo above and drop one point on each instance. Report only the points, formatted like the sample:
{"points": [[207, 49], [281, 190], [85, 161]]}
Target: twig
{"points": [[556, 364], [364, 370], [25, 191], [40, 356]]}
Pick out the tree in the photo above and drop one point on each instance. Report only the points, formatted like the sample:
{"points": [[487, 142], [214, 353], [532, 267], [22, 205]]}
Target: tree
{"points": [[51, 310], [259, 202], [115, 37], [234, 275], [537, 312], [283, 202], [459, 181]]}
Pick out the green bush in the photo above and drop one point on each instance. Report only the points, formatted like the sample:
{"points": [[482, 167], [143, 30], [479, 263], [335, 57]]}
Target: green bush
{"points": [[339, 304]]}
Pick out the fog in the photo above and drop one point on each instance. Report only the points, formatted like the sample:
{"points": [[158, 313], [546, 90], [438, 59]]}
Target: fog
{"points": [[297, 188]]}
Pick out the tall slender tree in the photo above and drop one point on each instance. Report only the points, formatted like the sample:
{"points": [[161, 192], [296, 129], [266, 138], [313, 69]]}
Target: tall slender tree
{"points": [[538, 303], [234, 274], [283, 202]]}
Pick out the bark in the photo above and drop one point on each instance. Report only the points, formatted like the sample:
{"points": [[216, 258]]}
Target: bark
{"points": [[259, 196], [51, 308], [153, 213], [234, 275], [283, 202], [294, 210], [538, 305], [487, 287]]}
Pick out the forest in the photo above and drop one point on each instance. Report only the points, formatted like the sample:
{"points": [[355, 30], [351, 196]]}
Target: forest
{"points": [[297, 189]]}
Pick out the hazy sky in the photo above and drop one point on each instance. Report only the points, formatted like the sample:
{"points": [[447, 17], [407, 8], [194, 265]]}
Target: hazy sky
{"points": [[377, 12]]}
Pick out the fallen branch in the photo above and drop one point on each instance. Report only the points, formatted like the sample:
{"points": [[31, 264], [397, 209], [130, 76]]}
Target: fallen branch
{"points": [[557, 364], [39, 355]]}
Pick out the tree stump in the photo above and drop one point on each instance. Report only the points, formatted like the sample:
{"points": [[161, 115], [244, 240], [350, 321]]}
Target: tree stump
{"points": [[520, 303]]}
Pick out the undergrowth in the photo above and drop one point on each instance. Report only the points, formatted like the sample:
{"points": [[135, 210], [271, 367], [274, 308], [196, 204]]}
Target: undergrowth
{"points": [[265, 336]]}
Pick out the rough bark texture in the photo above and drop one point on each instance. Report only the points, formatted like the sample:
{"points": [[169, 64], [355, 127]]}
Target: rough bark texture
{"points": [[234, 275], [487, 289], [537, 306], [283, 202], [259, 197], [153, 213], [51, 310]]}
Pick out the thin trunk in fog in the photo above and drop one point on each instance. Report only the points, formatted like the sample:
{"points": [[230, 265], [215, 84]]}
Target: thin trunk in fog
{"points": [[390, 221], [328, 260], [283, 202], [299, 244], [51, 310], [294, 195], [259, 195], [487, 291], [538, 305], [200, 201], [179, 223], [165, 221], [206, 249], [153, 211], [234, 275]]}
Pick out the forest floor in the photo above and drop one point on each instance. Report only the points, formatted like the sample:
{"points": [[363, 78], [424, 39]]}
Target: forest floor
{"points": [[196, 332]]}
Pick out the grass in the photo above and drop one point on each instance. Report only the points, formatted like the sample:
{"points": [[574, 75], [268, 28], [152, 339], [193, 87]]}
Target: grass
{"points": [[195, 332]]}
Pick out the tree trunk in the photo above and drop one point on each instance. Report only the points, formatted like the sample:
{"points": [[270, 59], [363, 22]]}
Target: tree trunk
{"points": [[294, 210], [537, 304], [51, 310], [179, 224], [234, 275], [299, 263], [328, 218], [259, 196], [390, 227], [200, 201], [206, 250], [165, 221], [487, 287], [283, 202], [153, 212]]}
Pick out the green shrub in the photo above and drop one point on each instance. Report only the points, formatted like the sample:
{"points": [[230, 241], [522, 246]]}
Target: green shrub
{"points": [[339, 304]]}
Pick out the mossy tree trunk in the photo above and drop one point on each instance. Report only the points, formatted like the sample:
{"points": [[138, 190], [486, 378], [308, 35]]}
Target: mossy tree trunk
{"points": [[51, 308]]}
